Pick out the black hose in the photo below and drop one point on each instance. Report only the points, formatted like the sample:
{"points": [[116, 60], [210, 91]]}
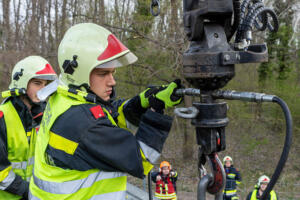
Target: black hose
{"points": [[261, 11], [249, 18], [239, 32], [251, 12], [286, 148], [263, 18], [236, 17], [149, 186]]}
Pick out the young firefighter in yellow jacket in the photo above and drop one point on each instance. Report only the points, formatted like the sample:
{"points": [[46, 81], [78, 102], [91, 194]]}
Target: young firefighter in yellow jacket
{"points": [[20, 116], [84, 147], [261, 186], [233, 178]]}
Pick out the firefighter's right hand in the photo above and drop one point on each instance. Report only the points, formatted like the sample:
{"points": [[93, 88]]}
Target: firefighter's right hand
{"points": [[158, 178]]}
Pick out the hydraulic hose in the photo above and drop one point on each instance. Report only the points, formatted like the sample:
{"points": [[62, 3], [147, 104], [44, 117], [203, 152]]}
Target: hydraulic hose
{"points": [[264, 11], [149, 186], [249, 18], [236, 17], [286, 148]]}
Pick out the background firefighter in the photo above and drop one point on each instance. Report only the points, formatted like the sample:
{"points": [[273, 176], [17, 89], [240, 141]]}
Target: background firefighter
{"points": [[20, 116], [233, 178], [165, 181], [260, 187]]}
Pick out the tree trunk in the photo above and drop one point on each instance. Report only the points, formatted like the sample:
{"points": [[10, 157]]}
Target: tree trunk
{"points": [[63, 20], [174, 20], [56, 24], [6, 24], [17, 44], [102, 11], [43, 28]]}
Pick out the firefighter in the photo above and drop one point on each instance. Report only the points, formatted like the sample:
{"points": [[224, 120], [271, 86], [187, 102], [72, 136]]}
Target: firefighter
{"points": [[20, 116], [165, 181], [260, 187], [233, 178], [84, 147]]}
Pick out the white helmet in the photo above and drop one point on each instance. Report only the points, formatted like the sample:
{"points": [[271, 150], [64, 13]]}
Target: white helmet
{"points": [[263, 179], [227, 158], [29, 68], [87, 46]]}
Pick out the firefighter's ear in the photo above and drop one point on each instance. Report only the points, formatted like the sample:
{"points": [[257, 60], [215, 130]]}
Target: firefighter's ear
{"points": [[159, 170]]}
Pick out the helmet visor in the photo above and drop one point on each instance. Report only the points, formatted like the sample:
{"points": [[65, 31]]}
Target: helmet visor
{"points": [[46, 77], [121, 61]]}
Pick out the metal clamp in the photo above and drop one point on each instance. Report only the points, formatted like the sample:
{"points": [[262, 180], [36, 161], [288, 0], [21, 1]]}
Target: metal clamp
{"points": [[154, 4], [187, 113]]}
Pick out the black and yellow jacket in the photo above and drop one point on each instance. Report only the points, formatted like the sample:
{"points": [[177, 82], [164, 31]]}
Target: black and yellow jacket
{"points": [[14, 180], [104, 145], [233, 178]]}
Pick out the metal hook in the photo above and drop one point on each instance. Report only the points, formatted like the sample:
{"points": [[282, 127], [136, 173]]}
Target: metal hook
{"points": [[212, 182], [219, 176], [154, 4], [202, 186]]}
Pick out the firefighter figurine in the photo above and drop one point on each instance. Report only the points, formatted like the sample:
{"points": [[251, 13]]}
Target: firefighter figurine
{"points": [[165, 181], [233, 178]]}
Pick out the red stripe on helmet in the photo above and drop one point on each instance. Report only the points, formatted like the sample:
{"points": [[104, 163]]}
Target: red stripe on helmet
{"points": [[1, 114], [113, 48], [47, 70]]}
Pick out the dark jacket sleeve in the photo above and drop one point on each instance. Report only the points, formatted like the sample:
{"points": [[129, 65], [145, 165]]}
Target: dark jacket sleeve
{"points": [[4, 162], [18, 185], [103, 145], [153, 176], [249, 196], [174, 178], [238, 176], [133, 110]]}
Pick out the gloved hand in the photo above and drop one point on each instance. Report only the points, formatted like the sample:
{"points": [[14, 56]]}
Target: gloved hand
{"points": [[144, 96], [165, 97]]}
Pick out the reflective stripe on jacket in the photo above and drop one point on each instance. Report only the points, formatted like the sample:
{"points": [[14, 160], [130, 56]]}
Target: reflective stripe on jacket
{"points": [[254, 195], [51, 182], [233, 178], [165, 189], [20, 148]]}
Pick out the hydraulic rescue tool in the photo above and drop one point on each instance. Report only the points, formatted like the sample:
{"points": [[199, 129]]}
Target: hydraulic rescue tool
{"points": [[208, 65]]}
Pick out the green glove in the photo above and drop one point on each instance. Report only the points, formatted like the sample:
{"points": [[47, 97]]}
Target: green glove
{"points": [[166, 98], [144, 96]]}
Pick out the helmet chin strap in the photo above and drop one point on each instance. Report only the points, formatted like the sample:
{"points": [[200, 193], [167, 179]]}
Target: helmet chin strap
{"points": [[37, 108], [85, 87]]}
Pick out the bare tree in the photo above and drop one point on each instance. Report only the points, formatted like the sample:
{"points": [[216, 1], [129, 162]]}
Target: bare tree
{"points": [[6, 25]]}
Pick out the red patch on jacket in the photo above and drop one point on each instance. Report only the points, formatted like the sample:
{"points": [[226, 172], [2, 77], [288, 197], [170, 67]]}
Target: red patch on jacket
{"points": [[1, 114], [97, 112]]}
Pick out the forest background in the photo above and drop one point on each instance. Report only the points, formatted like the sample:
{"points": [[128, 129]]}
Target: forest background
{"points": [[255, 133]]}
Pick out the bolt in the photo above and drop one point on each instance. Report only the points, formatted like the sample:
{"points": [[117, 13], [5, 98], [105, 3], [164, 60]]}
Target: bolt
{"points": [[226, 57]]}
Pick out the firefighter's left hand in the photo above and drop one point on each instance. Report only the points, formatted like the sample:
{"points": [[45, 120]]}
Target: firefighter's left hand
{"points": [[152, 90], [166, 98]]}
